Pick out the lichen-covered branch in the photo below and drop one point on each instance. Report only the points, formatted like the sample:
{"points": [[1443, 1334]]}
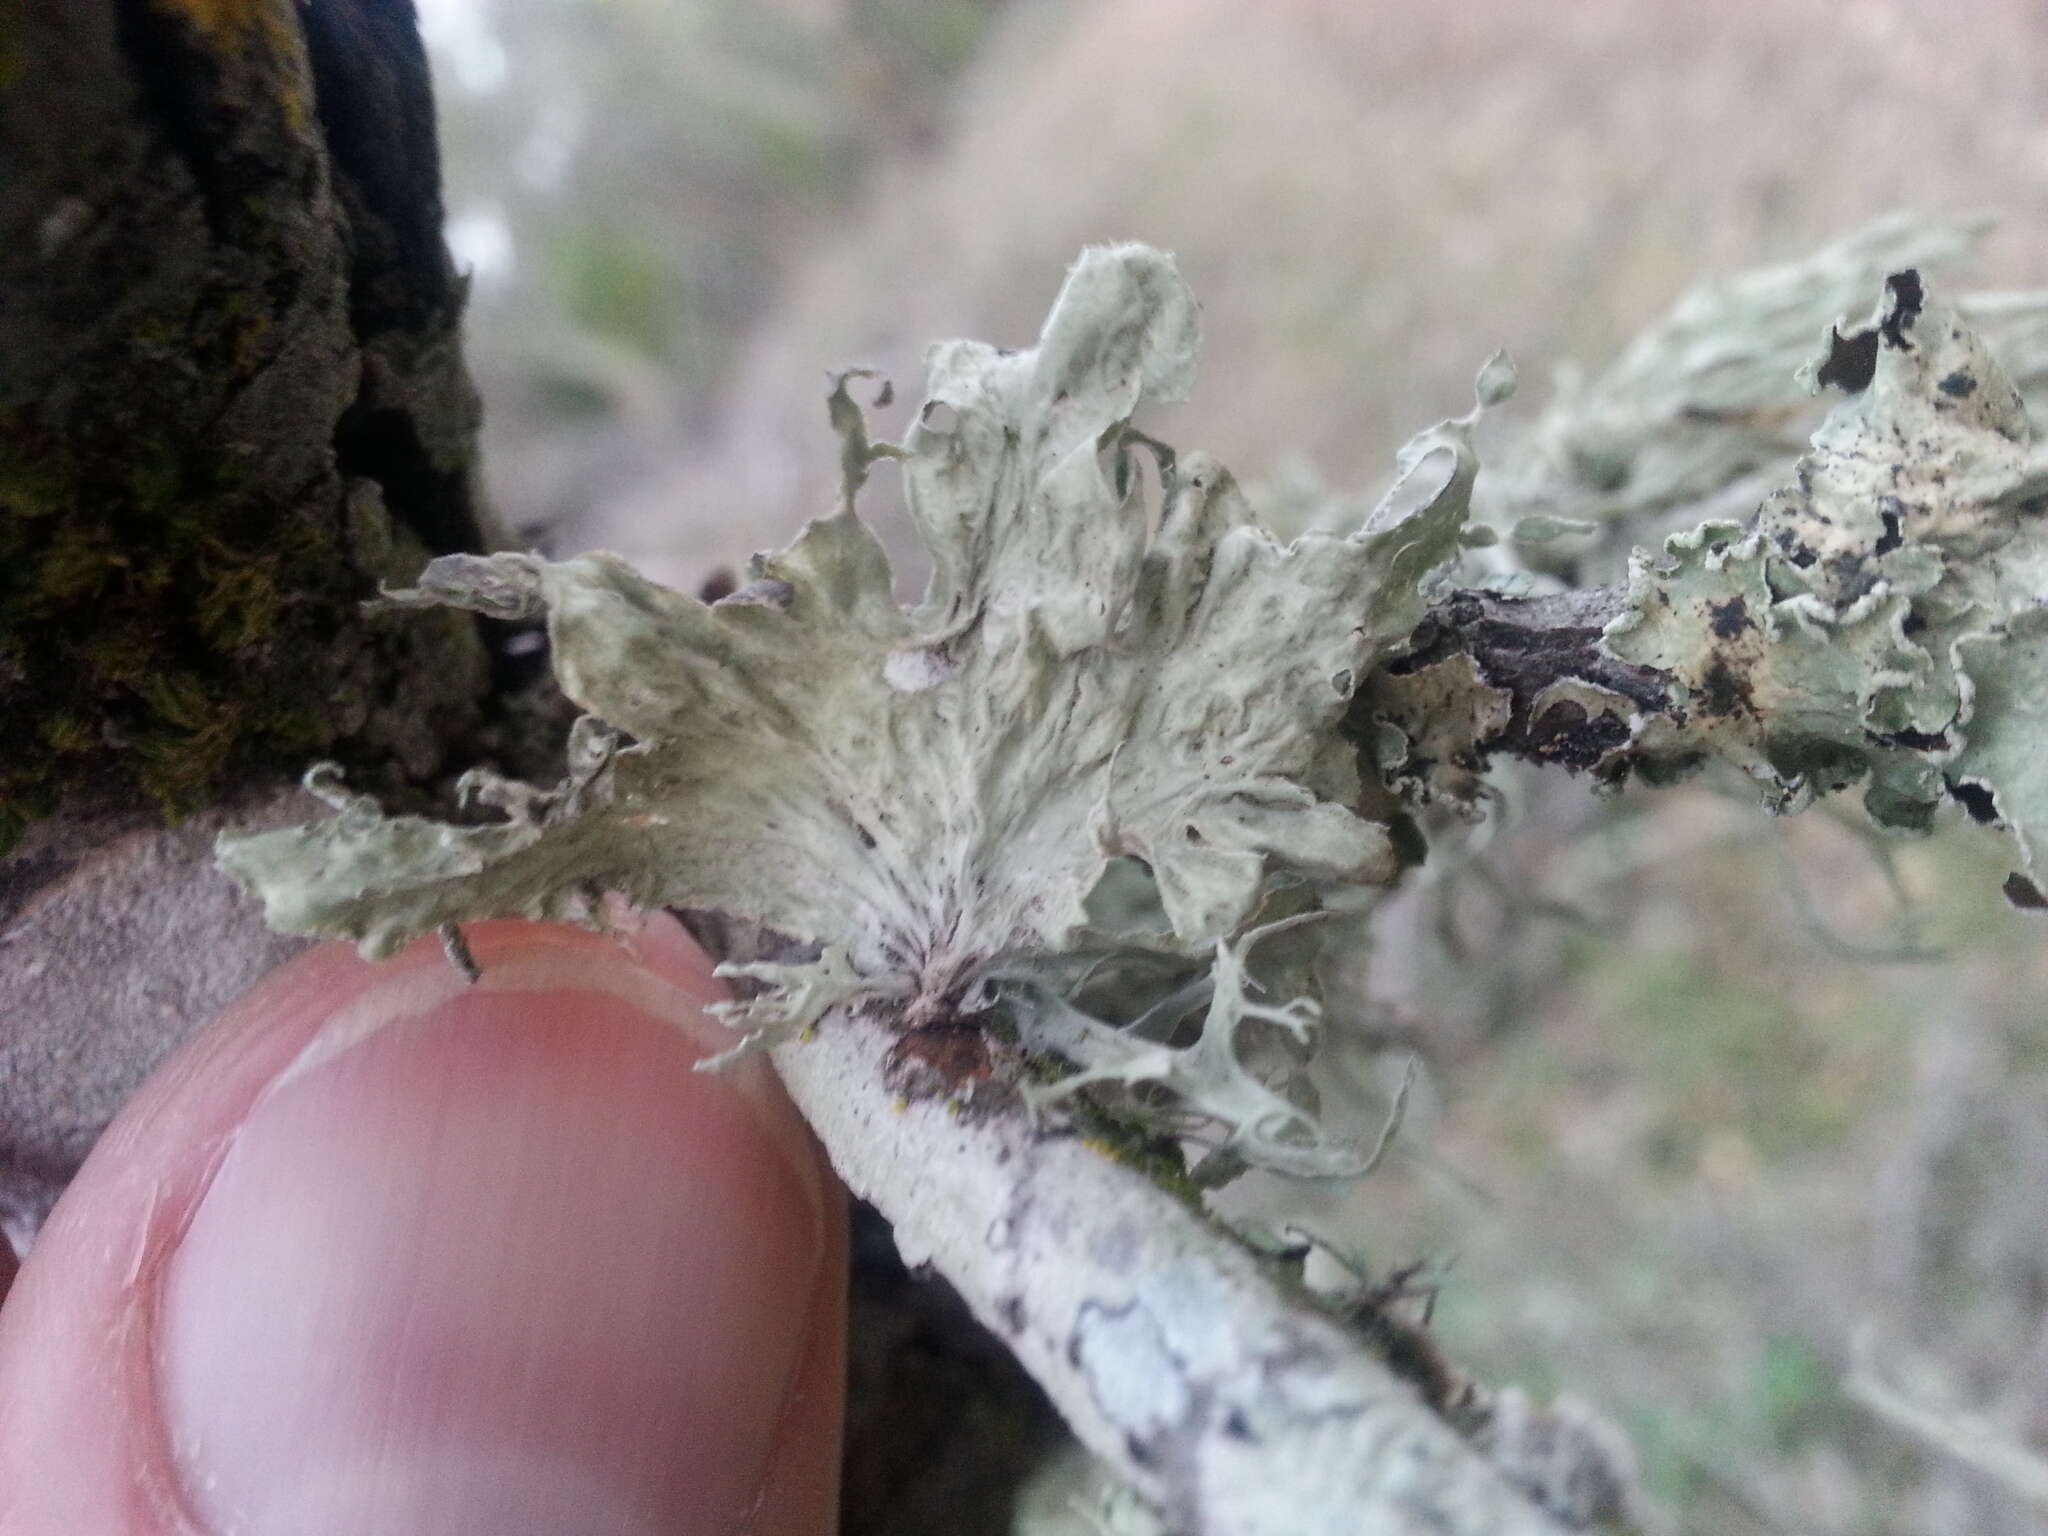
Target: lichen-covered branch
{"points": [[1074, 828], [1072, 825], [1231, 1405], [1716, 392], [1878, 621]]}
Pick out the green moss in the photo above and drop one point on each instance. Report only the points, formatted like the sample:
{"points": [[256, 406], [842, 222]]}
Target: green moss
{"points": [[63, 732], [1124, 1140]]}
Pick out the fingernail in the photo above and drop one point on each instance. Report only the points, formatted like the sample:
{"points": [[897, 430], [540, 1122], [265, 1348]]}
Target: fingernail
{"points": [[495, 1259]]}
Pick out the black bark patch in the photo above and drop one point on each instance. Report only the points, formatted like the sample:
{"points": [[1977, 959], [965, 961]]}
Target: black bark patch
{"points": [[376, 106], [1888, 515], [383, 444], [1958, 384], [941, 1417], [181, 87]]}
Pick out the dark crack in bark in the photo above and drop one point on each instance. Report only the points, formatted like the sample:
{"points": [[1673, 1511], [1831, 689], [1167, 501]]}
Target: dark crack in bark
{"points": [[1552, 692]]}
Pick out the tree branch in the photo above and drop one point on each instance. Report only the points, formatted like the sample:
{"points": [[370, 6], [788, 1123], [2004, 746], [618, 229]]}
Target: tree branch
{"points": [[1233, 1407], [1488, 674]]}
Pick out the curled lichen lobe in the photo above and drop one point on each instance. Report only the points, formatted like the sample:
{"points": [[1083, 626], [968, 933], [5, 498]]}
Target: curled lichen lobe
{"points": [[927, 794], [1879, 618]]}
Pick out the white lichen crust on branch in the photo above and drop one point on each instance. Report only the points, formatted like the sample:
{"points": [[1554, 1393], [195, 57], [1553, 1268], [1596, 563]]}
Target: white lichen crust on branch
{"points": [[927, 796], [1229, 1404]]}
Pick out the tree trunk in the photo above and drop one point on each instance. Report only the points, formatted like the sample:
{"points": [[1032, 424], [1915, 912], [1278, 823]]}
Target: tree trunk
{"points": [[232, 402]]}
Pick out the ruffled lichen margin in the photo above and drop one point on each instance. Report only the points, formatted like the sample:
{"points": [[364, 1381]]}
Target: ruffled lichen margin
{"points": [[1880, 621], [925, 798]]}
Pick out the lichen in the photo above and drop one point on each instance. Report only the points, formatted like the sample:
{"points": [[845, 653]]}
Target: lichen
{"points": [[1881, 618], [1707, 392], [930, 795]]}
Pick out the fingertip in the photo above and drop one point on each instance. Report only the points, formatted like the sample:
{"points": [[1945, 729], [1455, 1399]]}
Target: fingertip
{"points": [[381, 1246]]}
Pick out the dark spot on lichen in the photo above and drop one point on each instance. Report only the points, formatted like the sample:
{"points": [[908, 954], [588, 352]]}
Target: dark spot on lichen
{"points": [[1889, 508], [1237, 1426], [1976, 798], [1851, 576], [2024, 893], [719, 585], [1851, 362], [1958, 384], [1906, 298], [867, 838], [1723, 690], [1801, 555], [1563, 734], [1411, 847], [1728, 619], [1914, 741], [1659, 771], [1011, 1310]]}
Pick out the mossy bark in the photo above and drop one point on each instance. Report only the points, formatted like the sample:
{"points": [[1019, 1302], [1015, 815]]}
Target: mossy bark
{"points": [[231, 401]]}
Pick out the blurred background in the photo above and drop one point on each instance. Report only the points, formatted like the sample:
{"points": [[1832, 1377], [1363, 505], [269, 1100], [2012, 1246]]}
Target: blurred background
{"points": [[1712, 1103]]}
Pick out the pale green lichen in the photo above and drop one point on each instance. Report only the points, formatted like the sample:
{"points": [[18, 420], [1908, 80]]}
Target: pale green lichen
{"points": [[1706, 393], [1707, 403], [928, 796], [1882, 617]]}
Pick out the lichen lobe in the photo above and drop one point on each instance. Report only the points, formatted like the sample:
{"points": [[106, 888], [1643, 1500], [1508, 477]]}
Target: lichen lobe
{"points": [[929, 794], [1882, 617]]}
